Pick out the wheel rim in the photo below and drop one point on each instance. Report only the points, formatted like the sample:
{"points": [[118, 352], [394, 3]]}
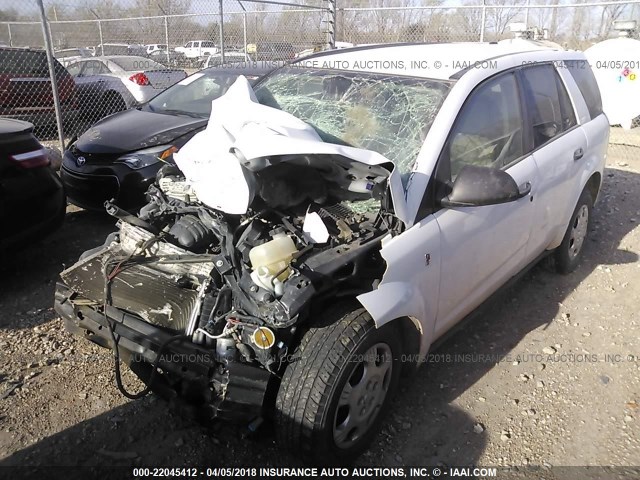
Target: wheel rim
{"points": [[363, 395], [578, 231]]}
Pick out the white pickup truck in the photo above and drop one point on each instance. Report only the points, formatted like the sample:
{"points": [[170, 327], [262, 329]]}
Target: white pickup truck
{"points": [[198, 48]]}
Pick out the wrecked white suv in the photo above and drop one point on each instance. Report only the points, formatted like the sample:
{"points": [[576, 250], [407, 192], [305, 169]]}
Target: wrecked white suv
{"points": [[335, 220]]}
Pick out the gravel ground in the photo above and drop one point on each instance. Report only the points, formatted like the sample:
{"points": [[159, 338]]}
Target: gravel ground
{"points": [[547, 374]]}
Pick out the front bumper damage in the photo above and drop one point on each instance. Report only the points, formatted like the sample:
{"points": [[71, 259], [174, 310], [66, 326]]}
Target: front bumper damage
{"points": [[190, 375]]}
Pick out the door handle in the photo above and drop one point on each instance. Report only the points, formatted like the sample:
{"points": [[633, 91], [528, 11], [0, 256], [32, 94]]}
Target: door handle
{"points": [[578, 154]]}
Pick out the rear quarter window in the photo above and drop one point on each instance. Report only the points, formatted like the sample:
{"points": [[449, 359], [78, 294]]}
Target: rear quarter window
{"points": [[548, 103], [28, 63], [582, 74], [24, 62]]}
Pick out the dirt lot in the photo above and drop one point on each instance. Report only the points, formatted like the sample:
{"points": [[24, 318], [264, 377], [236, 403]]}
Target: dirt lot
{"points": [[549, 374]]}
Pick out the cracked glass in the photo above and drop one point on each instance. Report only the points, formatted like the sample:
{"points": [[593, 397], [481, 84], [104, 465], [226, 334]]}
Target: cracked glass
{"points": [[390, 115]]}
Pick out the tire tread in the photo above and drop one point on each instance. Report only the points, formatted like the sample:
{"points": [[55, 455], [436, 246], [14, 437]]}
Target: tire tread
{"points": [[307, 383]]}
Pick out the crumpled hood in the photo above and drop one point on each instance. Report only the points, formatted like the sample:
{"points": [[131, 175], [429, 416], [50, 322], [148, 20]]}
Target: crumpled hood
{"points": [[244, 136]]}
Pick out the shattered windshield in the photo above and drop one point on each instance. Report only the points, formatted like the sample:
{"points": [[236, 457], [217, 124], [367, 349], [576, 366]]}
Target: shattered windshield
{"points": [[390, 115]]}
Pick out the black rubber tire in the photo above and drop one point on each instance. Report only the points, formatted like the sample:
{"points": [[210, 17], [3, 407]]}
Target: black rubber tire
{"points": [[307, 400], [565, 262]]}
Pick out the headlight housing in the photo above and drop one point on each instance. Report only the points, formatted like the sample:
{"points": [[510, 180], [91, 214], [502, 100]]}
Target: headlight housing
{"points": [[148, 156]]}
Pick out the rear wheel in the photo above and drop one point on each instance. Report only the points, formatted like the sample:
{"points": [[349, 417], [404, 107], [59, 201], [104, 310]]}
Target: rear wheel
{"points": [[568, 254], [334, 393]]}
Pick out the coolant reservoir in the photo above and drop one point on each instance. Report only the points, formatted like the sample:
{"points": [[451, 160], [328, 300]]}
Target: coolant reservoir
{"points": [[275, 256]]}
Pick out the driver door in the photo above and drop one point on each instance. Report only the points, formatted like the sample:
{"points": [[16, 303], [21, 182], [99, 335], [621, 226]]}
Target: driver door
{"points": [[481, 247]]}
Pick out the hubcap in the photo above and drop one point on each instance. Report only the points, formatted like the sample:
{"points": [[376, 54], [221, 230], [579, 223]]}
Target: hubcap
{"points": [[363, 395], [578, 231]]}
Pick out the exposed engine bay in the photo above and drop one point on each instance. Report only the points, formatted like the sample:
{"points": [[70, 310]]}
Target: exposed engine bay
{"points": [[236, 286], [204, 292]]}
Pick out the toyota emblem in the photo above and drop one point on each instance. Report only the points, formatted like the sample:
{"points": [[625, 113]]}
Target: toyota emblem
{"points": [[81, 161]]}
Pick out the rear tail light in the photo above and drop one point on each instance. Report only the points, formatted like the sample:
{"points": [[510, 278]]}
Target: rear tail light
{"points": [[33, 159], [140, 79]]}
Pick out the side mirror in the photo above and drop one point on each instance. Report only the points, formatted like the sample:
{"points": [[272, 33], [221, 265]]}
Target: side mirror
{"points": [[476, 186]]}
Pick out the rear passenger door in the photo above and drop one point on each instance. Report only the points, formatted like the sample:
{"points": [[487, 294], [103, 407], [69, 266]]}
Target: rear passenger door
{"points": [[559, 147]]}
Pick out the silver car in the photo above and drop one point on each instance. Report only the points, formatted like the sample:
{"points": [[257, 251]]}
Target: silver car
{"points": [[115, 83]]}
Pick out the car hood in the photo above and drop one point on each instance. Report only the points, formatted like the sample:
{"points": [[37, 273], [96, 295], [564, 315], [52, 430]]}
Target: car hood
{"points": [[243, 138], [134, 130]]}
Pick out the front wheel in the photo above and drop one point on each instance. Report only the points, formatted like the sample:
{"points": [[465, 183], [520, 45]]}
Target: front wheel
{"points": [[568, 254], [335, 392]]}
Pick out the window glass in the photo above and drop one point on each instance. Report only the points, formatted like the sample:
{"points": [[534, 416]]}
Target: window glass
{"points": [[74, 68], [541, 91], [92, 68], [195, 97], [488, 131], [390, 115], [23, 62], [566, 108], [582, 74], [68, 53]]}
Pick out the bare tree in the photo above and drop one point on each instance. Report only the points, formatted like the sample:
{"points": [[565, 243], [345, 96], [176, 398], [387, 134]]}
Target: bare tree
{"points": [[610, 13], [501, 15], [7, 14]]}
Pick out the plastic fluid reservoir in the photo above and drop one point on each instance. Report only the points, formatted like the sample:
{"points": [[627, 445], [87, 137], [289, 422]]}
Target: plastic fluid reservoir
{"points": [[274, 255]]}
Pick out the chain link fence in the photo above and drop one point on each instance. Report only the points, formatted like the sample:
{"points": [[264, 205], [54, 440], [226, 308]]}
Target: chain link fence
{"points": [[141, 37]]}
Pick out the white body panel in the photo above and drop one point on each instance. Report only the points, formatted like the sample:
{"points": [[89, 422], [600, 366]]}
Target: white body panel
{"points": [[476, 258]]}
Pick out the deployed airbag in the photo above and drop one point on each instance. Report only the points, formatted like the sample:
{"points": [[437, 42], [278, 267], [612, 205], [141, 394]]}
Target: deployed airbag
{"points": [[244, 137]]}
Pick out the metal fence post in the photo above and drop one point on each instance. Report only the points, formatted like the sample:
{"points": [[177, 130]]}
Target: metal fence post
{"points": [[10, 38], [93, 12], [483, 20], [101, 40], [244, 28], [166, 39], [221, 30], [331, 24], [52, 73]]}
